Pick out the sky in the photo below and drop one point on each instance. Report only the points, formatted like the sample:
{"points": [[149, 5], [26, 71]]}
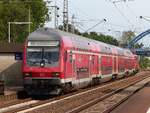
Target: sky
{"points": [[121, 15]]}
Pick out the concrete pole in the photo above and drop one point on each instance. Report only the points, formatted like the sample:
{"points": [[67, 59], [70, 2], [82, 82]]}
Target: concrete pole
{"points": [[8, 32], [29, 19], [73, 24]]}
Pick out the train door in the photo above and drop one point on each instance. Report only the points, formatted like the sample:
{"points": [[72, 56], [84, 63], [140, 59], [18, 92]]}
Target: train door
{"points": [[68, 66], [99, 66], [70, 69], [95, 65], [74, 71], [76, 78], [117, 64], [114, 65], [90, 67]]}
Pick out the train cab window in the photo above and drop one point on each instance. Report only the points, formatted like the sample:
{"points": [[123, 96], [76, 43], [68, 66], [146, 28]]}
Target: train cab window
{"points": [[47, 55], [51, 56], [34, 55]]}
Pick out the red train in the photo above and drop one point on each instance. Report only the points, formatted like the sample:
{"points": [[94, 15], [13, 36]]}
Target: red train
{"points": [[56, 61]]}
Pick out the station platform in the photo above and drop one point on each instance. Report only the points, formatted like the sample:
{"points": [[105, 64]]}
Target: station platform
{"points": [[12, 90], [138, 103]]}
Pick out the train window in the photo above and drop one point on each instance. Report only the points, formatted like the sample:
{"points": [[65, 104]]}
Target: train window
{"points": [[108, 60], [51, 56], [93, 58], [79, 59], [65, 55], [34, 56]]}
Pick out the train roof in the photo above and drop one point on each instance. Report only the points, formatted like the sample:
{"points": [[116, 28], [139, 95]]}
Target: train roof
{"points": [[76, 41]]}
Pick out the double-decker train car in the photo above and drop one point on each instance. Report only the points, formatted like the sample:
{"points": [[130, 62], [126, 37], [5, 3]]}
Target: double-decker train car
{"points": [[55, 61]]}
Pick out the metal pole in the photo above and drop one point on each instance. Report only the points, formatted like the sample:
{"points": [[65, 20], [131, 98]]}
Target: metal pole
{"points": [[65, 16], [55, 17], [72, 24], [8, 32]]}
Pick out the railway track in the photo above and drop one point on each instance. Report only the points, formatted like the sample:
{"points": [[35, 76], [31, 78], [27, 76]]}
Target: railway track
{"points": [[110, 101], [12, 99], [75, 102]]}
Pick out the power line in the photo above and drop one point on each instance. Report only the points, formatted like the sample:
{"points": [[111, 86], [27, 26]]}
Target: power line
{"points": [[131, 10], [118, 1], [104, 20], [122, 14], [80, 11], [81, 27], [121, 26], [141, 17]]}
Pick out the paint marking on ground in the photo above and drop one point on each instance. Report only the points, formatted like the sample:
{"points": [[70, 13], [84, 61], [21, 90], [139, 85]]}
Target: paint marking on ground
{"points": [[9, 108], [148, 111]]}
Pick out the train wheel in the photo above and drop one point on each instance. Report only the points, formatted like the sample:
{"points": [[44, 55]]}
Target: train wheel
{"points": [[127, 73], [22, 94], [58, 90], [95, 81], [114, 77], [67, 88]]}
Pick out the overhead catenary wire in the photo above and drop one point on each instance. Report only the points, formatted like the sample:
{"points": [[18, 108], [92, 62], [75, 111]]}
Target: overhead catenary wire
{"points": [[83, 21], [116, 25], [122, 14], [133, 14], [131, 11], [78, 12], [81, 27], [104, 20]]}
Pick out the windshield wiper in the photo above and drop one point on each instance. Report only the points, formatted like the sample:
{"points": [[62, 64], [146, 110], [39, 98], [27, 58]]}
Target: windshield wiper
{"points": [[33, 62]]}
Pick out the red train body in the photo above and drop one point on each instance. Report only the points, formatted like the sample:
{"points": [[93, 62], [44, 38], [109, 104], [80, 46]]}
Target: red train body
{"points": [[54, 61]]}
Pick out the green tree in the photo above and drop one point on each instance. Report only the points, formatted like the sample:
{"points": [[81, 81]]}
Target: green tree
{"points": [[102, 38], [144, 62], [94, 36], [18, 11], [128, 35]]}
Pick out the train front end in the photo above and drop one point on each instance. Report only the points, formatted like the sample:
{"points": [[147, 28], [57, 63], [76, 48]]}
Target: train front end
{"points": [[42, 70]]}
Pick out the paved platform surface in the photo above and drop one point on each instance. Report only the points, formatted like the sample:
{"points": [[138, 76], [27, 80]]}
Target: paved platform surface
{"points": [[12, 90], [138, 103]]}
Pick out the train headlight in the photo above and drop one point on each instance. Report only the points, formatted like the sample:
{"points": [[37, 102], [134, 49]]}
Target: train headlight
{"points": [[27, 74], [55, 74]]}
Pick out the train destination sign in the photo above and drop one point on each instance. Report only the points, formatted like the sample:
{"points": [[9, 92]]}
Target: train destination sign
{"points": [[43, 43]]}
